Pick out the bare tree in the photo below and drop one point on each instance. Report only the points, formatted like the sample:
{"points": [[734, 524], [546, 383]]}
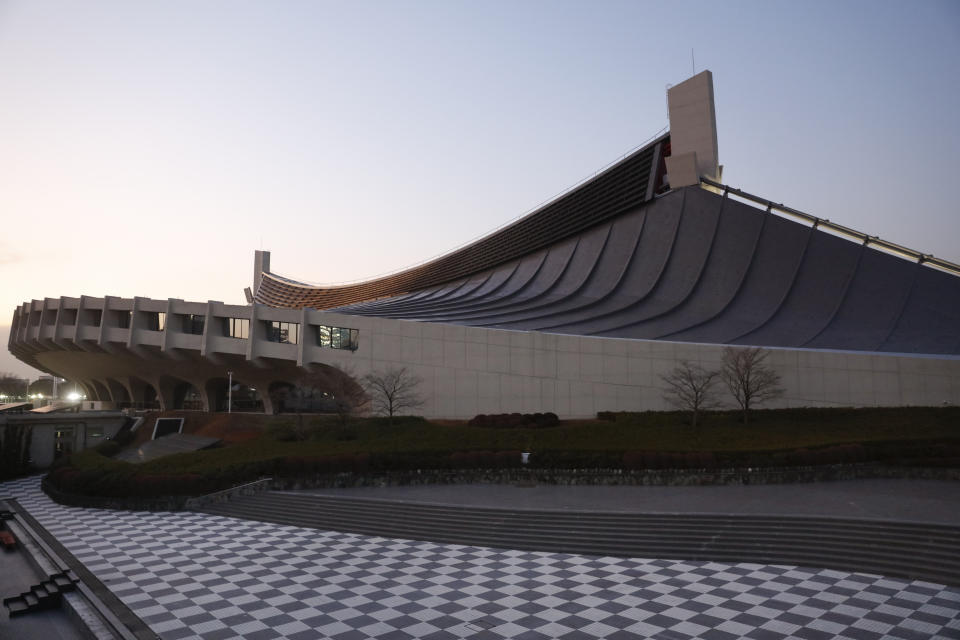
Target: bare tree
{"points": [[12, 386], [690, 387], [15, 441], [346, 393], [393, 391], [750, 380]]}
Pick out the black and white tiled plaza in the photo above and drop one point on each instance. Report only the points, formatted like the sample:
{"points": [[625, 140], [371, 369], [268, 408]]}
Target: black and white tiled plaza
{"points": [[190, 575]]}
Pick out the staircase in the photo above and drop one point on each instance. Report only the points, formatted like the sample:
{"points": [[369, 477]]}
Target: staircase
{"points": [[900, 549], [45, 595]]}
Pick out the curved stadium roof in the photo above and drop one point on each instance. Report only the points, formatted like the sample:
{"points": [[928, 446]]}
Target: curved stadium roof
{"points": [[613, 258]]}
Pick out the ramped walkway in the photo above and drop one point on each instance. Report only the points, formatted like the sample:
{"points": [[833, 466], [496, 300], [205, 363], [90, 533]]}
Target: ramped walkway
{"points": [[191, 575]]}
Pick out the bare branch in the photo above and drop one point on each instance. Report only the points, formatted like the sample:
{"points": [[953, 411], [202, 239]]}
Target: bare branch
{"points": [[393, 391], [690, 387], [11, 385], [749, 379], [340, 386]]}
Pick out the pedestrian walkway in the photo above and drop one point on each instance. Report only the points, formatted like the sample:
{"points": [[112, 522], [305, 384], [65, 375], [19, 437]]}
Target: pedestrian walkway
{"points": [[166, 446], [192, 575]]}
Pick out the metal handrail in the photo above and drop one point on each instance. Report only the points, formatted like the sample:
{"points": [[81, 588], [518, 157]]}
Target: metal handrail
{"points": [[870, 241]]}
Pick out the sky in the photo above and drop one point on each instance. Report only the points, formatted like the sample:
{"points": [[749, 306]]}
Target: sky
{"points": [[147, 149]]}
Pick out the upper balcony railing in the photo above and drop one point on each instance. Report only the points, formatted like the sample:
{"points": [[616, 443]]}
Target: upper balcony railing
{"points": [[822, 223]]}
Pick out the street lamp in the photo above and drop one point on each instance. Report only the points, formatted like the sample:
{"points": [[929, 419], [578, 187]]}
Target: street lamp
{"points": [[230, 392]]}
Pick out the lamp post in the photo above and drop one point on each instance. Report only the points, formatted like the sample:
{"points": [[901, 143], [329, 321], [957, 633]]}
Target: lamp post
{"points": [[230, 392]]}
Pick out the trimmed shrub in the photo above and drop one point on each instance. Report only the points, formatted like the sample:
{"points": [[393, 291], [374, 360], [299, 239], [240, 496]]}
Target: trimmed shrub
{"points": [[108, 448], [515, 420]]}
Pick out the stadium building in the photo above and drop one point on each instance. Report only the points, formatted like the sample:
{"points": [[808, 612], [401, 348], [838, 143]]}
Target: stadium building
{"points": [[581, 306]]}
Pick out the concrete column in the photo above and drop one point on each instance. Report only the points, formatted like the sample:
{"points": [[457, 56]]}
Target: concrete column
{"points": [[256, 333], [24, 322], [104, 320], [167, 331], [693, 124], [208, 393], [118, 393], [302, 345], [207, 328], [81, 306], [134, 321], [261, 263], [49, 307], [101, 391], [165, 387], [58, 323]]}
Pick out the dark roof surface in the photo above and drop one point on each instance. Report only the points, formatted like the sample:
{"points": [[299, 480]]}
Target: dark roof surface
{"points": [[695, 266]]}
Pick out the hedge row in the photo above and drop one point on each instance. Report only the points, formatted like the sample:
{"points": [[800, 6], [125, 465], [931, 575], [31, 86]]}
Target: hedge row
{"points": [[130, 481], [839, 454], [515, 420]]}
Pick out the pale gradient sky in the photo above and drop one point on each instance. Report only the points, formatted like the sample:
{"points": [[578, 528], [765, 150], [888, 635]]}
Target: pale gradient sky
{"points": [[149, 149]]}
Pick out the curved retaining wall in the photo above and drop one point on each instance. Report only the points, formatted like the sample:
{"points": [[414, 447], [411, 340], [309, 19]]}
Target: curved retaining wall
{"points": [[669, 477]]}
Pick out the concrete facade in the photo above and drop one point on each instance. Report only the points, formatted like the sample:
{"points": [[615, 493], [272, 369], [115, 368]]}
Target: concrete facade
{"points": [[465, 370], [693, 123], [61, 433], [581, 306]]}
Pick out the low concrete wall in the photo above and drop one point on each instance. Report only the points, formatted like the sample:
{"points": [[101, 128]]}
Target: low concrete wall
{"points": [[248, 489], [165, 503], [668, 477]]}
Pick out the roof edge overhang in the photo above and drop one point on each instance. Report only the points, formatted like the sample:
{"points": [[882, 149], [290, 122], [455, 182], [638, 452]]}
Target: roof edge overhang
{"points": [[622, 186]]}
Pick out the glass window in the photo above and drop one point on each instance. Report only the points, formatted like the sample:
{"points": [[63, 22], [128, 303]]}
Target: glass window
{"points": [[193, 324], [123, 319], [63, 442], [156, 320], [323, 336], [238, 328], [285, 332], [337, 337]]}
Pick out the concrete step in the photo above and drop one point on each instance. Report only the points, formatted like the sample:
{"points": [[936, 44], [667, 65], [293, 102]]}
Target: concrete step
{"points": [[587, 522], [705, 539], [63, 583], [912, 550], [795, 526], [45, 595], [16, 606], [685, 528], [359, 504]]}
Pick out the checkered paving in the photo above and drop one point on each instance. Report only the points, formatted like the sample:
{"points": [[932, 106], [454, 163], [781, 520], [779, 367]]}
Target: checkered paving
{"points": [[192, 575]]}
